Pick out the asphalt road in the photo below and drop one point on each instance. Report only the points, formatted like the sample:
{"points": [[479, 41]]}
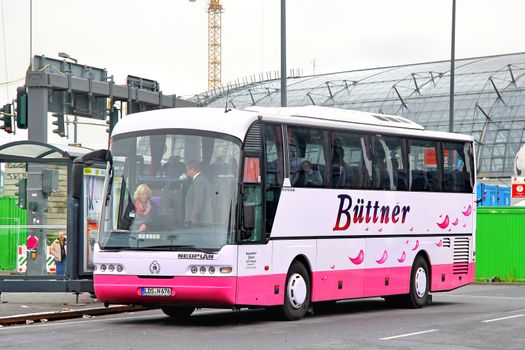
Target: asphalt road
{"points": [[474, 317]]}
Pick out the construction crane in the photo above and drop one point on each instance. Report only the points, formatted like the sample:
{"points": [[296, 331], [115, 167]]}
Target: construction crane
{"points": [[215, 10]]}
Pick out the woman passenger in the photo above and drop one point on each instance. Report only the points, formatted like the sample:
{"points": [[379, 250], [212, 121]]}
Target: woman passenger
{"points": [[145, 209]]}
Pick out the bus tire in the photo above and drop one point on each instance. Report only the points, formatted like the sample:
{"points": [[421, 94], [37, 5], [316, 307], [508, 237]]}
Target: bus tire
{"points": [[178, 312], [296, 292], [419, 283]]}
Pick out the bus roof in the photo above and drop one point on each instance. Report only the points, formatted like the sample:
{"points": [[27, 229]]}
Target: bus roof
{"points": [[236, 122], [339, 115], [332, 118]]}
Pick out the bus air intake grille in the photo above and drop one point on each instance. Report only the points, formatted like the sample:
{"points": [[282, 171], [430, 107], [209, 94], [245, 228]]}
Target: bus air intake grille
{"points": [[446, 242], [461, 255], [253, 140]]}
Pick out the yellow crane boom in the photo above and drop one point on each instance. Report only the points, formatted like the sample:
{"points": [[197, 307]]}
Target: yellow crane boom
{"points": [[215, 10]]}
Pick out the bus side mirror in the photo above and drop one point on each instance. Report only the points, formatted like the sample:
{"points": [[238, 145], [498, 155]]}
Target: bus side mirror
{"points": [[80, 163], [248, 210]]}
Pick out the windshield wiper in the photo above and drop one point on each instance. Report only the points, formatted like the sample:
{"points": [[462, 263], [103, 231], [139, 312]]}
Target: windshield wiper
{"points": [[185, 247]]}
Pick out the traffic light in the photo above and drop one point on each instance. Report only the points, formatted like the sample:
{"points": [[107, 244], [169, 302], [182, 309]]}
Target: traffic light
{"points": [[112, 120], [21, 108], [59, 122], [7, 117], [22, 193]]}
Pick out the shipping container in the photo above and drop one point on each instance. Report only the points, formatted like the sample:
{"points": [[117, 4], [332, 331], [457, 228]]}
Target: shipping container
{"points": [[500, 243]]}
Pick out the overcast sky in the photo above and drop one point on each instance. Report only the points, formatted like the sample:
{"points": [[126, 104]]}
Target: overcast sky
{"points": [[166, 40]]}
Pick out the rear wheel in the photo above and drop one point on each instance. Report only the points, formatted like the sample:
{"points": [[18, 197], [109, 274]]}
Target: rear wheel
{"points": [[178, 311], [297, 292], [419, 284]]}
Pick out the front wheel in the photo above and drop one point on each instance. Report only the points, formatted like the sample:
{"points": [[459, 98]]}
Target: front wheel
{"points": [[178, 312], [419, 283], [297, 292]]}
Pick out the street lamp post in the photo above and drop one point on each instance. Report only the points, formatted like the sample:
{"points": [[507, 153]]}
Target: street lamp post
{"points": [[283, 54], [452, 68], [31, 60]]}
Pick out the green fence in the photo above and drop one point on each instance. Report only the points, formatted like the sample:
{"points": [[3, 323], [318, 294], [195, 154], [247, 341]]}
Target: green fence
{"points": [[11, 237], [500, 244]]}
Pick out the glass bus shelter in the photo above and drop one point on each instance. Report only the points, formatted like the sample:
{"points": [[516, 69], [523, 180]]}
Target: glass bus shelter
{"points": [[36, 208]]}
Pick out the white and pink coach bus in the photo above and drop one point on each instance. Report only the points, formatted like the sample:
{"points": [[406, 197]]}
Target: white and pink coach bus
{"points": [[294, 206]]}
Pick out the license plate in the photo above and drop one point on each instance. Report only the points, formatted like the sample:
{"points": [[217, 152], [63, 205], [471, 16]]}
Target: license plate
{"points": [[156, 292]]}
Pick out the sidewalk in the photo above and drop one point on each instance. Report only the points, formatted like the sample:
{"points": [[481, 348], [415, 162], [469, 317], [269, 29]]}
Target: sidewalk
{"points": [[17, 308]]}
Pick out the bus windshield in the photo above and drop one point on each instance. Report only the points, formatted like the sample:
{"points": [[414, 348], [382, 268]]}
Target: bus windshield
{"points": [[172, 191]]}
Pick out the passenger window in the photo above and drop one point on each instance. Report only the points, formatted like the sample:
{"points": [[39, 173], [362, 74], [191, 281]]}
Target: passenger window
{"points": [[457, 167], [308, 150], [390, 171], [424, 174], [351, 161]]}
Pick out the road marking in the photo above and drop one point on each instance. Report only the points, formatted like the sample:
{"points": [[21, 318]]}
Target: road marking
{"points": [[475, 296], [503, 318], [409, 334]]}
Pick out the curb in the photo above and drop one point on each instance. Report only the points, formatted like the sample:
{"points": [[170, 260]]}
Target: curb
{"points": [[63, 315]]}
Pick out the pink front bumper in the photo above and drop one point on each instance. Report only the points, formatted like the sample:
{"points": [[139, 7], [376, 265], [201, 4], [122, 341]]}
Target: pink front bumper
{"points": [[205, 291]]}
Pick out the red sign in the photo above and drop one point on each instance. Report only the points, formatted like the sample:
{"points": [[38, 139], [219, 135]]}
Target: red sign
{"points": [[518, 187], [430, 157], [252, 170], [32, 242]]}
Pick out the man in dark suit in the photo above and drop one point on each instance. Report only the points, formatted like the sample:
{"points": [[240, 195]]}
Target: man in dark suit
{"points": [[198, 197], [174, 167]]}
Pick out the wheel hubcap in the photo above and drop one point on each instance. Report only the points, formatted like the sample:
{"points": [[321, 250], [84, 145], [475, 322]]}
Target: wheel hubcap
{"points": [[421, 282], [296, 290]]}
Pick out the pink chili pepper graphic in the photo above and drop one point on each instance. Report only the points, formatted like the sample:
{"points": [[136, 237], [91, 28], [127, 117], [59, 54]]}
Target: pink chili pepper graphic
{"points": [[440, 243], [402, 258], [383, 258], [468, 211], [359, 258], [456, 222], [443, 225], [417, 245]]}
